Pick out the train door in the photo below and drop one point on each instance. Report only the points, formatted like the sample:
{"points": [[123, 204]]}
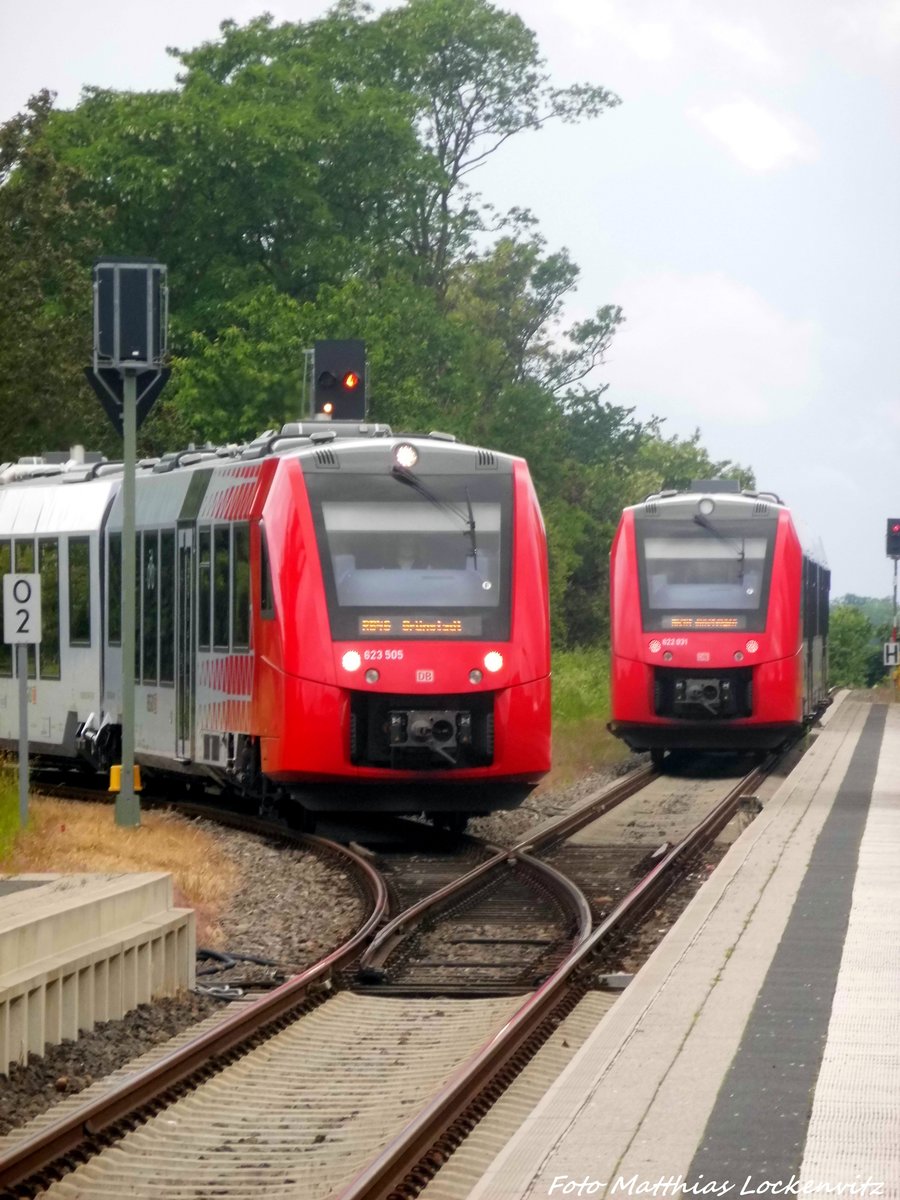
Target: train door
{"points": [[185, 656]]}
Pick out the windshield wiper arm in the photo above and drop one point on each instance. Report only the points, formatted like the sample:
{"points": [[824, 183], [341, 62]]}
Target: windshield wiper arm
{"points": [[406, 476], [472, 529], [705, 523]]}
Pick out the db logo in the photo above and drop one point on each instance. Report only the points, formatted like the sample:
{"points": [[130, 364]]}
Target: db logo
{"points": [[424, 676], [703, 656]]}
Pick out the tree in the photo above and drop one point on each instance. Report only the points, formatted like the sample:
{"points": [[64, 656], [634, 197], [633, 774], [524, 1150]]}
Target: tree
{"points": [[45, 301], [476, 79], [850, 639]]}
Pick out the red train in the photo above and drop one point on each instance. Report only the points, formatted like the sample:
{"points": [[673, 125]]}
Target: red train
{"points": [[332, 618], [719, 622]]}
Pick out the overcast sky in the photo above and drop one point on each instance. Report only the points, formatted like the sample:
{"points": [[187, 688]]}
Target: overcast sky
{"points": [[742, 205]]}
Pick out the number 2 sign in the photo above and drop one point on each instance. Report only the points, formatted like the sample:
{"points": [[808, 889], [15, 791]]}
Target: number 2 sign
{"points": [[21, 609]]}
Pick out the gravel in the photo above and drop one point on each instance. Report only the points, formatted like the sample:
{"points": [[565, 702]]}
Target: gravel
{"points": [[292, 908]]}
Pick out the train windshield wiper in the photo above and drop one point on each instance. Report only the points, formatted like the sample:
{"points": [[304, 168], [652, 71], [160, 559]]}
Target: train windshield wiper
{"points": [[406, 476], [705, 523]]}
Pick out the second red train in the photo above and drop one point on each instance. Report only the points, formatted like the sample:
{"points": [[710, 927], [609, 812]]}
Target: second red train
{"points": [[719, 622]]}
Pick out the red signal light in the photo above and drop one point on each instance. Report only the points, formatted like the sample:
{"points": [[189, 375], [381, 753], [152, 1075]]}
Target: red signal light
{"points": [[350, 381]]}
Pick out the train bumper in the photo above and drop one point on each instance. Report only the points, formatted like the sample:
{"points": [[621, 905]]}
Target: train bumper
{"points": [[354, 750], [704, 735]]}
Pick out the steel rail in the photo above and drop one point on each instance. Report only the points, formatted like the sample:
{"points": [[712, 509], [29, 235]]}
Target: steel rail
{"points": [[388, 1175], [393, 933], [63, 1136]]}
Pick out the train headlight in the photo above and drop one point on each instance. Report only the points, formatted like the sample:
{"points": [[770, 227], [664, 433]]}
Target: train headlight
{"points": [[406, 456], [493, 660], [738, 656], [668, 656], [752, 646], [654, 645], [372, 675], [475, 676], [707, 506], [351, 660]]}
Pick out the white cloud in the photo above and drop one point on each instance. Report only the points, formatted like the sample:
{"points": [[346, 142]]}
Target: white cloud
{"points": [[648, 38], [749, 46], [758, 137], [704, 349]]}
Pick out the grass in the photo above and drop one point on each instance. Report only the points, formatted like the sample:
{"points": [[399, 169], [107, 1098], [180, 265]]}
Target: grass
{"points": [[68, 836], [581, 741], [9, 805]]}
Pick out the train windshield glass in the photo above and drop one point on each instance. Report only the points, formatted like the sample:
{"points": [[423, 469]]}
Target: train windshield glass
{"points": [[405, 562], [714, 578]]}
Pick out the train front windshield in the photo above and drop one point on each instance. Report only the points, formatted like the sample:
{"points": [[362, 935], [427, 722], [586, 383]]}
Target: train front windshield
{"points": [[403, 561], [711, 576]]}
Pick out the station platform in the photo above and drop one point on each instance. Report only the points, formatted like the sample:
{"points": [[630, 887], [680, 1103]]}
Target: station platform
{"points": [[83, 948], [757, 1053]]}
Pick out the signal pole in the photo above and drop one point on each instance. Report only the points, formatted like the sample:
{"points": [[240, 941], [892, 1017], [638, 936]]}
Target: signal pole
{"points": [[130, 317], [128, 806]]}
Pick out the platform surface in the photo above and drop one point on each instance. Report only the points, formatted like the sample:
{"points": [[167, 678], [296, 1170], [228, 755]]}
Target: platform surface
{"points": [[757, 1053]]}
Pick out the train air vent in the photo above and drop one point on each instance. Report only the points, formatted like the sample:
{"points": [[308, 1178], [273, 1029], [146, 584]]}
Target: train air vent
{"points": [[651, 509], [760, 508], [327, 459], [487, 460]]}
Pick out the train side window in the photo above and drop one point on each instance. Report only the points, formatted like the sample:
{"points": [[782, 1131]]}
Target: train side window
{"points": [[167, 606], [114, 590], [48, 565], [23, 557], [6, 651], [150, 617], [79, 592], [204, 589], [823, 602], [221, 586], [266, 592], [240, 587]]}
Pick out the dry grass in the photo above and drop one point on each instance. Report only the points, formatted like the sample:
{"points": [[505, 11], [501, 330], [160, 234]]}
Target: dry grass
{"points": [[579, 748], [68, 837]]}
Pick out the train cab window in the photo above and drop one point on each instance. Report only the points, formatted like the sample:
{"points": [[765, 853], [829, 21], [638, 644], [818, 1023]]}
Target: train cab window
{"points": [[431, 560], [167, 606], [114, 590], [48, 565], [79, 592], [240, 587], [150, 606], [266, 592], [6, 650], [221, 586], [204, 588], [714, 577]]}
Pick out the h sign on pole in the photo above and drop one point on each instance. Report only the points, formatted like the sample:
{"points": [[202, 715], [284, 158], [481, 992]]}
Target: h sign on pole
{"points": [[892, 654], [22, 628]]}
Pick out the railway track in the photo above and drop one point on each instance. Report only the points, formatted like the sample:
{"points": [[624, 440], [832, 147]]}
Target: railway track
{"points": [[353, 1090]]}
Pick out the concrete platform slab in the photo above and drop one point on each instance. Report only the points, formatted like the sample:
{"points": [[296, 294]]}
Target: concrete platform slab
{"points": [[78, 949]]}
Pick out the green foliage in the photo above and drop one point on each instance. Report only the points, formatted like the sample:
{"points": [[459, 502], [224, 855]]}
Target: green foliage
{"points": [[581, 684], [312, 180], [9, 806], [854, 651], [878, 612]]}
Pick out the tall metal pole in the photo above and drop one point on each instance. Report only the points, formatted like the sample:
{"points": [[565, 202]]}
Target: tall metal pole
{"points": [[128, 808], [22, 669], [896, 671]]}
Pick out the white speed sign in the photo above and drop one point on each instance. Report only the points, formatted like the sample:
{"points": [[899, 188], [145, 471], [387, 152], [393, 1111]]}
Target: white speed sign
{"points": [[21, 609]]}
